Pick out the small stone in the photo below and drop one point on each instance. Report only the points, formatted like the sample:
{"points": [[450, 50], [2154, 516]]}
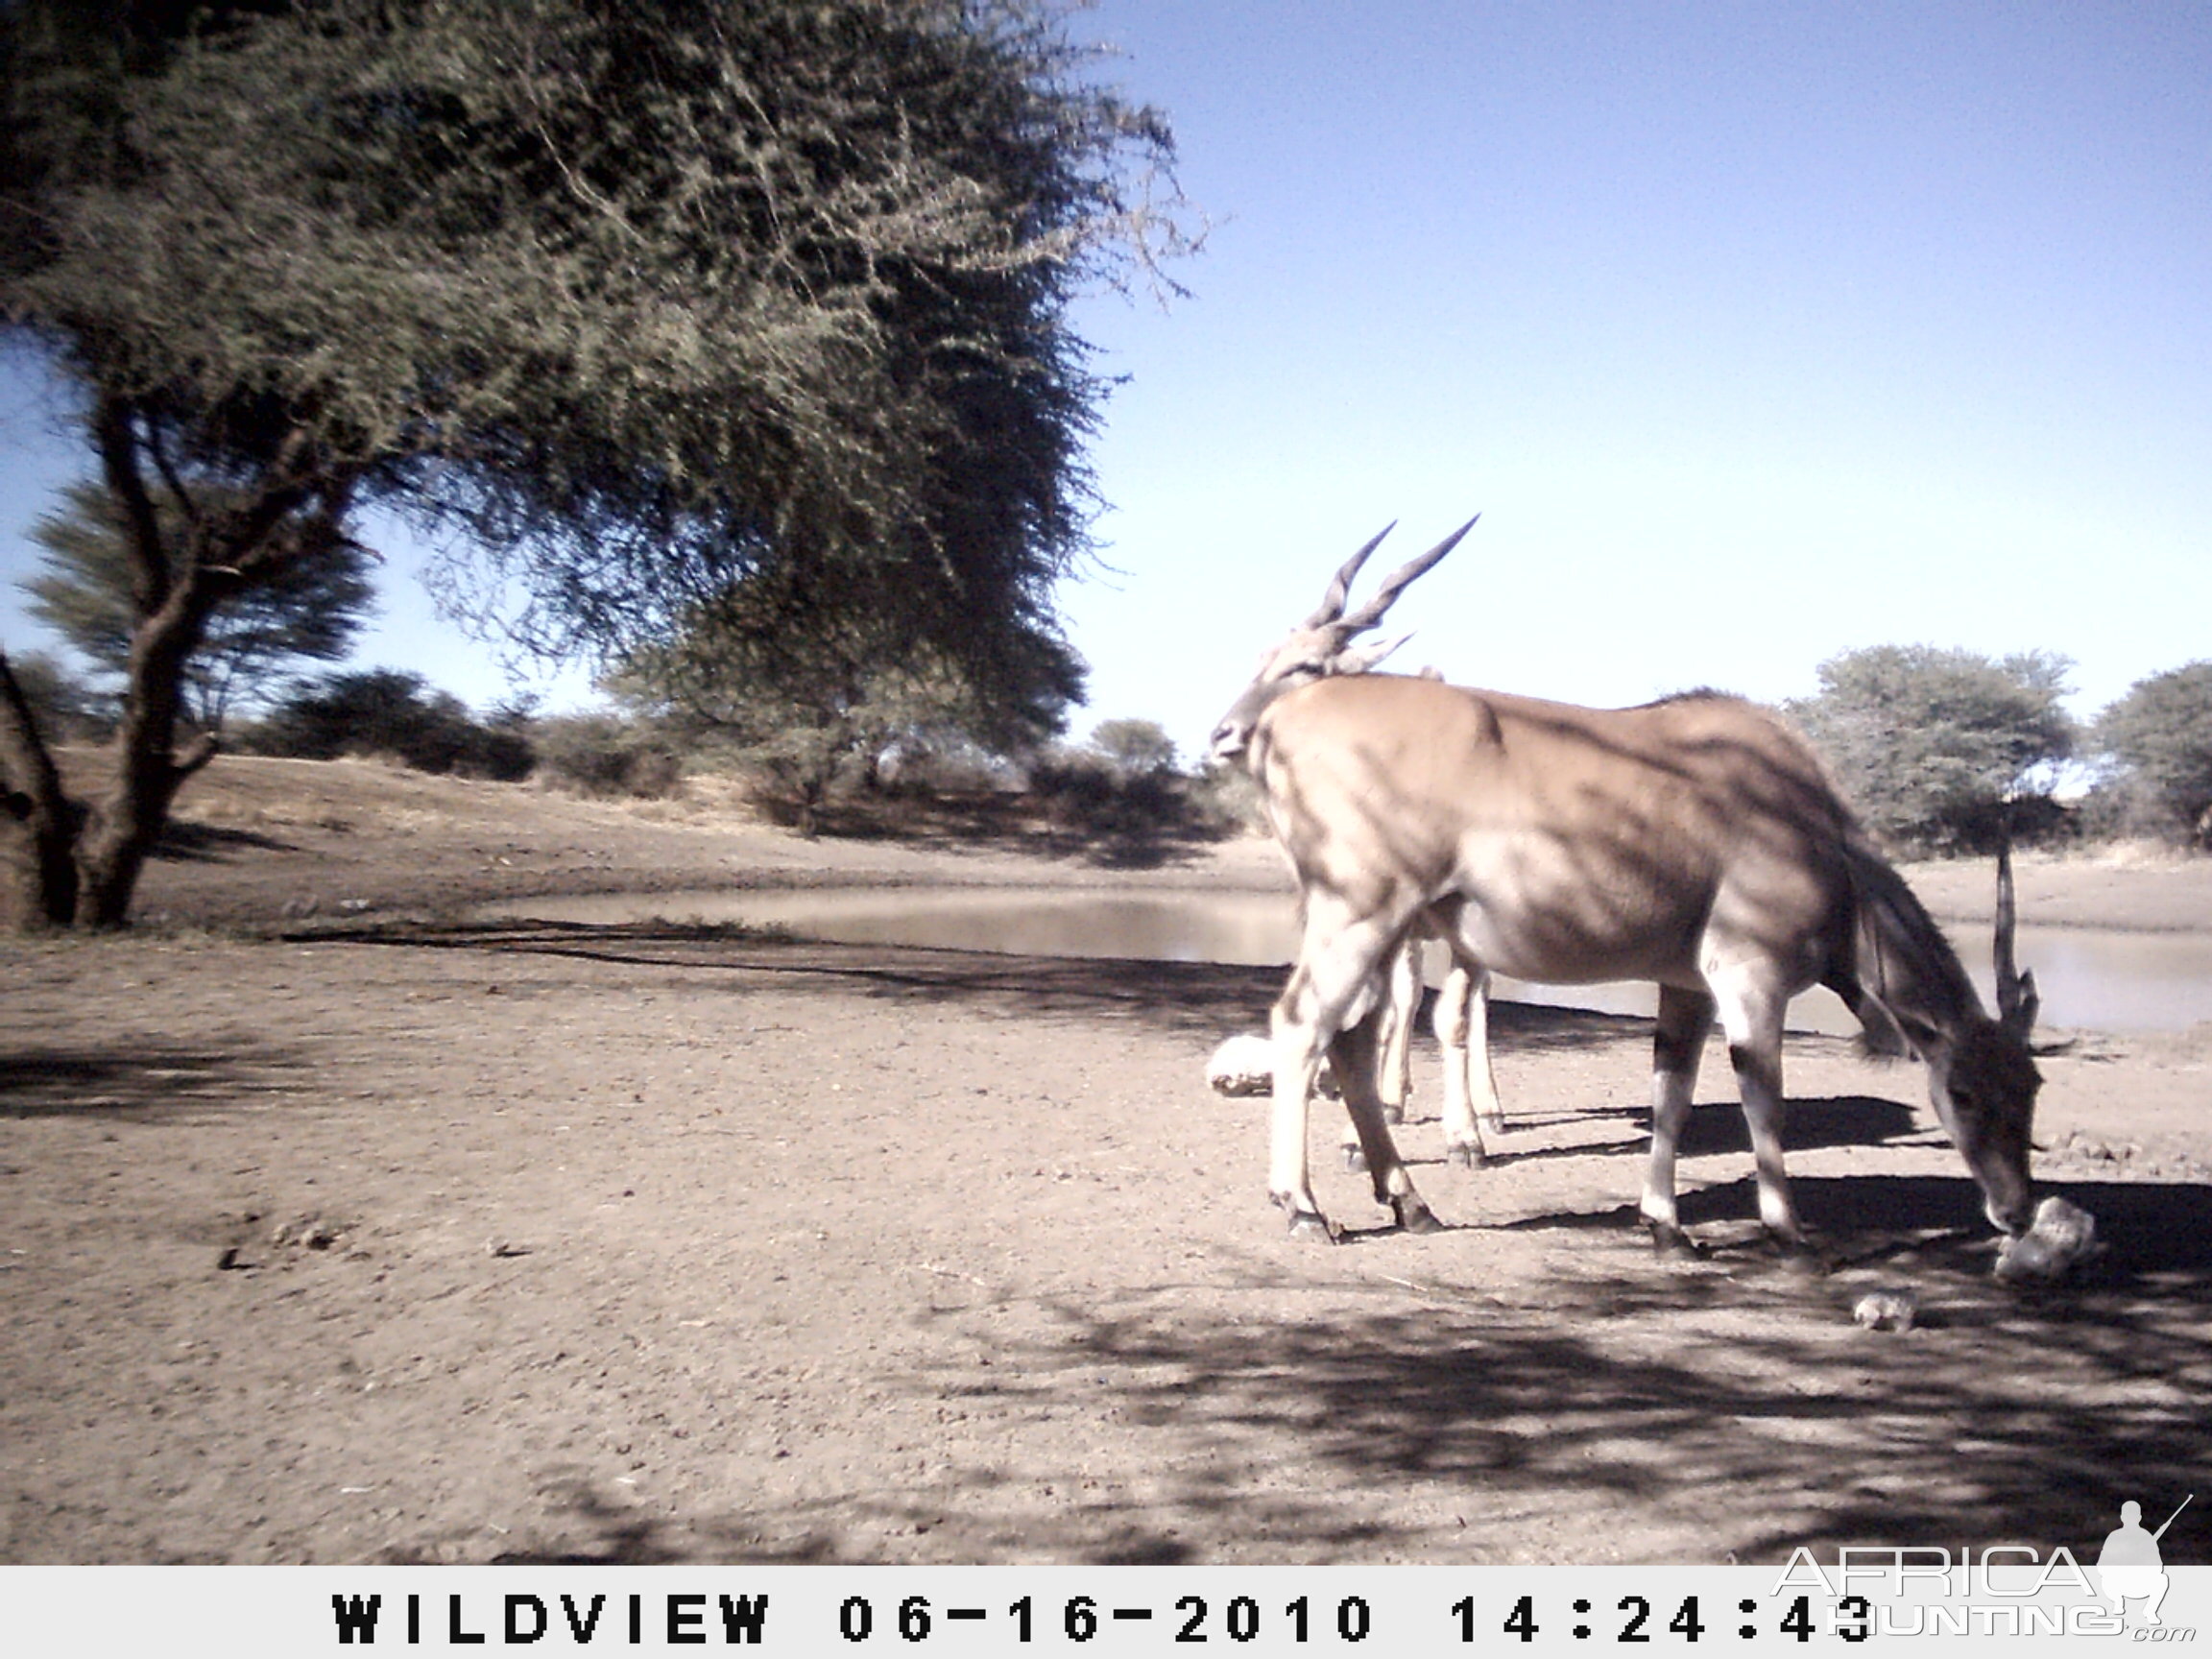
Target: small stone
{"points": [[1885, 1311]]}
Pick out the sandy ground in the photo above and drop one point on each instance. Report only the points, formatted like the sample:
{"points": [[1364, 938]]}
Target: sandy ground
{"points": [[371, 1236]]}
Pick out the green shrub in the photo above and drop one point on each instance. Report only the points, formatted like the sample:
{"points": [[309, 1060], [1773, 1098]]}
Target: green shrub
{"points": [[386, 712], [605, 755]]}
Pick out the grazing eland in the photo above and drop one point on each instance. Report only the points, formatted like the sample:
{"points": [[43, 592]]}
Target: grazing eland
{"points": [[1694, 842]]}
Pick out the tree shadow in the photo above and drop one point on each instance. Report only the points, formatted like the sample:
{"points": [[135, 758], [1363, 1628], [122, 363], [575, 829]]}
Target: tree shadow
{"points": [[142, 1080], [1811, 1121], [2027, 1414], [1203, 1000], [184, 841], [1620, 1400]]}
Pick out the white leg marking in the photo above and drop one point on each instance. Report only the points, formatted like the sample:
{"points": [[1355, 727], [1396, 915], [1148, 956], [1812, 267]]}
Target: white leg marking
{"points": [[1751, 1009], [1463, 1033]]}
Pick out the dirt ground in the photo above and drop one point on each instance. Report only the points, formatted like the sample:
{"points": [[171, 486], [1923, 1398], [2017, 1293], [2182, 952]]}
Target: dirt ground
{"points": [[336, 1229]]}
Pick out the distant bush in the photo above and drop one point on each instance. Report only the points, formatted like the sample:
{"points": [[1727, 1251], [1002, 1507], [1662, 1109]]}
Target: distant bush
{"points": [[384, 712], [952, 767], [1094, 792], [1227, 800], [1133, 748], [65, 708], [605, 756]]}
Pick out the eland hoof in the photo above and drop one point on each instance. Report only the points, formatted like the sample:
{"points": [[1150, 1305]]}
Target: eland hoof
{"points": [[1355, 1160], [1669, 1244], [1393, 1113], [1467, 1157], [1312, 1226], [1415, 1216]]}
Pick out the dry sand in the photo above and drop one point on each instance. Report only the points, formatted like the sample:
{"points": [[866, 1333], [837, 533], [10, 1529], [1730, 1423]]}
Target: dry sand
{"points": [[382, 1237]]}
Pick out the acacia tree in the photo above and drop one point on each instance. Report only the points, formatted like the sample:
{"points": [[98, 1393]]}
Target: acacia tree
{"points": [[803, 690], [628, 302], [309, 608], [2161, 735], [1933, 745]]}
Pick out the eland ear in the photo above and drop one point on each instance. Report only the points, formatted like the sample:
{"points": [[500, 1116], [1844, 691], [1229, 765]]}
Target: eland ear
{"points": [[1359, 659]]}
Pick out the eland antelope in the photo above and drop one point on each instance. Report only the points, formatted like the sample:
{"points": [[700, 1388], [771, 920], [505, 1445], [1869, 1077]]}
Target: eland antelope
{"points": [[1461, 1016], [1694, 842]]}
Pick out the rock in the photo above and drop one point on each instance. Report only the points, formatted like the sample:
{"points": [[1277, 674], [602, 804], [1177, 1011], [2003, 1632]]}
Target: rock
{"points": [[1242, 1065], [1246, 1066], [2061, 1237]]}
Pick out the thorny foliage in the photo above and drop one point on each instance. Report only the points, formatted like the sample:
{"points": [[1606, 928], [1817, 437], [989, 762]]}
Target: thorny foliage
{"points": [[631, 306]]}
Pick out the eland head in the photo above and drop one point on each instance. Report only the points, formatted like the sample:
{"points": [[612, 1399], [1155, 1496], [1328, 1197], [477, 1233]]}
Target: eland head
{"points": [[1321, 646]]}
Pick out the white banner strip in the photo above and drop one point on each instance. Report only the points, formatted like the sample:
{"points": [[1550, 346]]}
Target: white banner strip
{"points": [[1093, 1611]]}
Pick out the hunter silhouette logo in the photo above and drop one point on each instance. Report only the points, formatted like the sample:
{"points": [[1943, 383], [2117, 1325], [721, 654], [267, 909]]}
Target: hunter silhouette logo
{"points": [[2130, 1566]]}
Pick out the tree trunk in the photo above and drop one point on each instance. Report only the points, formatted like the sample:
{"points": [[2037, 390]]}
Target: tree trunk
{"points": [[71, 869], [126, 825], [38, 823]]}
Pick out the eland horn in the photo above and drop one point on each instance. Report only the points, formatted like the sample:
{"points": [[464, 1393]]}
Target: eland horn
{"points": [[2017, 1000], [1396, 583], [1341, 587]]}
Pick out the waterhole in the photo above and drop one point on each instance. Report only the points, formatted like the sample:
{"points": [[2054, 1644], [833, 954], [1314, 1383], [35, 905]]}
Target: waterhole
{"points": [[2094, 978]]}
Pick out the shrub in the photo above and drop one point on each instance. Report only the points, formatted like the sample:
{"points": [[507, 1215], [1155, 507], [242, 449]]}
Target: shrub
{"points": [[605, 756], [384, 711]]}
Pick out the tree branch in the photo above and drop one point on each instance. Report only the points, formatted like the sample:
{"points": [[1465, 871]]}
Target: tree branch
{"points": [[170, 476], [113, 435], [26, 765], [195, 755]]}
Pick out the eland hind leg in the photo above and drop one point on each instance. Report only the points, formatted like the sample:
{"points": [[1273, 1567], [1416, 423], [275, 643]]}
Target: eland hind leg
{"points": [[1462, 1024], [1397, 1013]]}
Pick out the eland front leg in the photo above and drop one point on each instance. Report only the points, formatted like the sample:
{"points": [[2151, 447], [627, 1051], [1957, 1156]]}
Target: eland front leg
{"points": [[1677, 1044], [1331, 990], [1753, 997]]}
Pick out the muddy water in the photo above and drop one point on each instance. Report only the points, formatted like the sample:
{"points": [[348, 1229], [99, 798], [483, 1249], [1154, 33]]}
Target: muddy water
{"points": [[2092, 978]]}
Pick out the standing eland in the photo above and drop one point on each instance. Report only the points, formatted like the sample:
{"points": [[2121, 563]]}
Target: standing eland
{"points": [[1694, 842]]}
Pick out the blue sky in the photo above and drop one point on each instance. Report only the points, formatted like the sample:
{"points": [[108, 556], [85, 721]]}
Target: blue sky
{"points": [[1755, 332]]}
